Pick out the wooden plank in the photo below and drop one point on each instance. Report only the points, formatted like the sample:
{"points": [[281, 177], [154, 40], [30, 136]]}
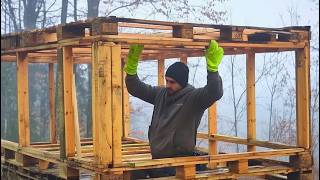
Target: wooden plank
{"points": [[117, 113], [303, 97], [53, 131], [43, 165], [186, 172], [25, 160], [100, 27], [101, 103], [67, 172], [23, 99], [126, 107], [232, 33], [161, 67], [238, 167], [69, 31], [251, 99], [60, 103], [75, 116], [182, 31], [238, 140], [212, 129], [67, 97]]}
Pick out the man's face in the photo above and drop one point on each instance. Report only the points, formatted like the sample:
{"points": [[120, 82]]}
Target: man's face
{"points": [[172, 86]]}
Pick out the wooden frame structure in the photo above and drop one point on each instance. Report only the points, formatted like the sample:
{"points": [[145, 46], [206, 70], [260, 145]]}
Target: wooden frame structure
{"points": [[111, 153]]}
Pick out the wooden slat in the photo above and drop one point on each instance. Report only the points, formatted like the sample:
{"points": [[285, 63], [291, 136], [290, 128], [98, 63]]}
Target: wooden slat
{"points": [[161, 62], [303, 97], [126, 107], [186, 172], [212, 129], [102, 103], [251, 99], [53, 131], [23, 100], [75, 116], [67, 97], [117, 111]]}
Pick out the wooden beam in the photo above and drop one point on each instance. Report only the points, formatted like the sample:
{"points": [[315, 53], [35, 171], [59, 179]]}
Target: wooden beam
{"points": [[60, 103], [126, 107], [303, 97], [186, 172], [66, 172], [67, 97], [117, 104], [23, 99], [238, 167], [101, 102], [75, 117], [161, 67], [251, 99], [53, 131], [212, 129]]}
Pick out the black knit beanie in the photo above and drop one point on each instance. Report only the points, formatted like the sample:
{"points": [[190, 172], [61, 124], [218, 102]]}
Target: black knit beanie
{"points": [[179, 72]]}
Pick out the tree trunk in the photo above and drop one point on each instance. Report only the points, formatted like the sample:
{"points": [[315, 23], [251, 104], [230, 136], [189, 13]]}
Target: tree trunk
{"points": [[64, 11], [93, 8], [75, 9]]}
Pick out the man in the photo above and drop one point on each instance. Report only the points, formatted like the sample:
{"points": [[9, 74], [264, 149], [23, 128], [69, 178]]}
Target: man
{"points": [[178, 107]]}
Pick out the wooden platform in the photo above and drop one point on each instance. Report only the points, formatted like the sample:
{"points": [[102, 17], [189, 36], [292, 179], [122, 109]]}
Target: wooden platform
{"points": [[136, 156]]}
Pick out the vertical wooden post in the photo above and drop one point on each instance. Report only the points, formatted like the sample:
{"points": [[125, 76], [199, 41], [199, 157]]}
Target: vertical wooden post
{"points": [[186, 171], [101, 103], [161, 71], [23, 99], [212, 129], [303, 97], [75, 117], [53, 131], [67, 96], [125, 108], [60, 103], [251, 99], [116, 104]]}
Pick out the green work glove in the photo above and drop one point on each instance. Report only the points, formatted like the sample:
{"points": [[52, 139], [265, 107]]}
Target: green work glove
{"points": [[214, 56], [132, 59]]}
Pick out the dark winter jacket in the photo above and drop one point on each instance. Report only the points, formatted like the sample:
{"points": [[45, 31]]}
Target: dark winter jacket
{"points": [[175, 118]]}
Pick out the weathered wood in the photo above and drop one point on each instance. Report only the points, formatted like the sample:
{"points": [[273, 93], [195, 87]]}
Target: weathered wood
{"points": [[239, 167], [182, 31], [303, 97], [125, 108], [23, 100], [251, 99], [43, 165], [69, 31], [53, 131], [161, 72], [117, 104], [75, 117], [100, 26], [231, 33], [186, 172], [25, 160], [60, 103], [302, 160], [68, 172], [101, 102], [67, 97], [212, 129]]}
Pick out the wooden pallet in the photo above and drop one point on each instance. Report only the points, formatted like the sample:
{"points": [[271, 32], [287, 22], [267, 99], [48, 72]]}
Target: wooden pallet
{"points": [[136, 156]]}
